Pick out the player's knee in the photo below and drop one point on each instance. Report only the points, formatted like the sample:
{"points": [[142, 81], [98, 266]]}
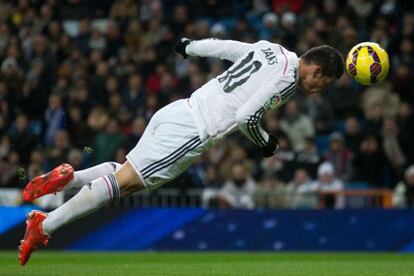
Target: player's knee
{"points": [[128, 179], [114, 165]]}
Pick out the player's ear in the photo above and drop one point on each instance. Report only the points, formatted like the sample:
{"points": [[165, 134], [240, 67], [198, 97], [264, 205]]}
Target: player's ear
{"points": [[317, 73]]}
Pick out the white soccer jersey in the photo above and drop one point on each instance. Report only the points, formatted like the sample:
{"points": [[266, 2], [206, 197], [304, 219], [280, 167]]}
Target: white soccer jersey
{"points": [[263, 76]]}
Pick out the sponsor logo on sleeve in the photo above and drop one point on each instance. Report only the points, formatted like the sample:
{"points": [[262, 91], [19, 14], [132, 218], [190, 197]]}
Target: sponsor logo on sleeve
{"points": [[274, 101]]}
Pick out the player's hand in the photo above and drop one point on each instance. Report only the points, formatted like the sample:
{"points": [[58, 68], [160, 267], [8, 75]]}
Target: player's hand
{"points": [[271, 148], [181, 45]]}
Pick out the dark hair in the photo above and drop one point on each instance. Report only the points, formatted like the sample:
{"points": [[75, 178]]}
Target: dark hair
{"points": [[330, 59]]}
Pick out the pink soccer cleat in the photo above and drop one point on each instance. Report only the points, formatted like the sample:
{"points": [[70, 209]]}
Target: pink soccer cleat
{"points": [[34, 236], [49, 183]]}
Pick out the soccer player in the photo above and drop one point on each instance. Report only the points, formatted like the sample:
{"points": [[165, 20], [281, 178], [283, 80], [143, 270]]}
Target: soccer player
{"points": [[263, 76]]}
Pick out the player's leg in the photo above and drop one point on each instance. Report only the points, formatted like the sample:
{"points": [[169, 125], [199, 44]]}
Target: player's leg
{"points": [[166, 149], [64, 178], [97, 193], [83, 177], [102, 190]]}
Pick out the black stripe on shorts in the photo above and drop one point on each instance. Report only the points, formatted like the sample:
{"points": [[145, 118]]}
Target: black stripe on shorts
{"points": [[172, 157]]}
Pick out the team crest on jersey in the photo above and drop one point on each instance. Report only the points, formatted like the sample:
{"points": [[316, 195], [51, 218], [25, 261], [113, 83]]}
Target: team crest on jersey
{"points": [[274, 101]]}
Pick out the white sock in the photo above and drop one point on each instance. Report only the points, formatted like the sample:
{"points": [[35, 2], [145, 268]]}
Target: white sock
{"points": [[83, 177], [90, 198]]}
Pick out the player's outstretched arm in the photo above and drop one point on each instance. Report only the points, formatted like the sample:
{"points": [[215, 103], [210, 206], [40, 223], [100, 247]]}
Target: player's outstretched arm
{"points": [[223, 49], [250, 114], [249, 117]]}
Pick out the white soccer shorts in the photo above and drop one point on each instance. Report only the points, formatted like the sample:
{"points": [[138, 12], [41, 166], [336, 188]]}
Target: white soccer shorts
{"points": [[168, 146]]}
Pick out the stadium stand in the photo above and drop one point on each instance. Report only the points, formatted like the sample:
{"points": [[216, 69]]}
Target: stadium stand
{"points": [[79, 80]]}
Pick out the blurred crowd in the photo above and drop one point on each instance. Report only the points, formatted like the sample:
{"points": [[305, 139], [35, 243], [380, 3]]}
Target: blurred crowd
{"points": [[79, 81]]}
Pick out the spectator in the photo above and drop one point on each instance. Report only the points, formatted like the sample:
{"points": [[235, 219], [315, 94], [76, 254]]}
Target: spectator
{"points": [[54, 117], [115, 106], [288, 24], [344, 98], [405, 121], [379, 101], [297, 125], [238, 191], [9, 171], [353, 135], [33, 100], [403, 195], [78, 129], [309, 158], [97, 81], [219, 31], [196, 172], [137, 129], [270, 28], [273, 194], [134, 96], [282, 164], [339, 156], [402, 82], [329, 185], [124, 9], [133, 36], [150, 107], [120, 155], [57, 154], [5, 146], [272, 124], [236, 154], [80, 97], [96, 41], [392, 147], [75, 159], [41, 51], [320, 112], [38, 164], [107, 142], [112, 86], [370, 164], [374, 122], [22, 139], [212, 185], [97, 119], [82, 40], [113, 39], [12, 75], [181, 19], [211, 178], [303, 190]]}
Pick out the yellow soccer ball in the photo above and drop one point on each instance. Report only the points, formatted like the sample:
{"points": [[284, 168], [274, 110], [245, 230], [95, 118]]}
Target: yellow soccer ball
{"points": [[367, 63]]}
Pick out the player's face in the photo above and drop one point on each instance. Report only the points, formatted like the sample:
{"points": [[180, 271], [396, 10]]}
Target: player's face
{"points": [[314, 82]]}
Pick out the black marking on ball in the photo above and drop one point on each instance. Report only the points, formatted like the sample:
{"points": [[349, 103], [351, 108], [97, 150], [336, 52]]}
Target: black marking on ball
{"points": [[375, 69], [352, 69]]}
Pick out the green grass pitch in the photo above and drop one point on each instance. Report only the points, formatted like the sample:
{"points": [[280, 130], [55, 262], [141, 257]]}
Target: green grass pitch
{"points": [[214, 263]]}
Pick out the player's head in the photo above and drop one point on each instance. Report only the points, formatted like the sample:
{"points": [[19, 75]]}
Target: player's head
{"points": [[319, 67]]}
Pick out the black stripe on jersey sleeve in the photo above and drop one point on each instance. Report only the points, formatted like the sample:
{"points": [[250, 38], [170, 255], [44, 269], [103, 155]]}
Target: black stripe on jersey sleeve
{"points": [[252, 133], [288, 90], [289, 93], [253, 129], [291, 89]]}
